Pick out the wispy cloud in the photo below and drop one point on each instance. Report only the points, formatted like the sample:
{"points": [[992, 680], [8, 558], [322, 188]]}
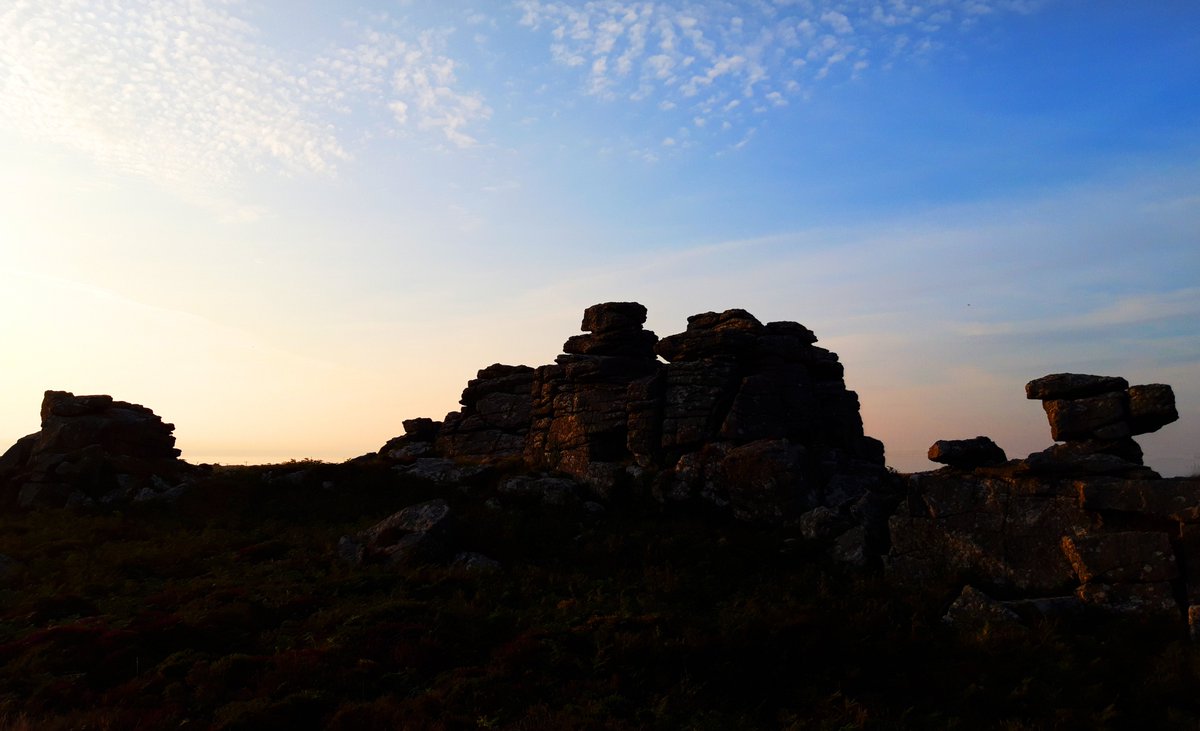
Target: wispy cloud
{"points": [[701, 57], [187, 92], [1140, 309], [413, 79], [165, 88]]}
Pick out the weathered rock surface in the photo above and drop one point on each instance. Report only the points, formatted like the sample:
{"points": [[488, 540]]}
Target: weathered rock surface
{"points": [[92, 449], [993, 531], [1085, 516], [494, 419]]}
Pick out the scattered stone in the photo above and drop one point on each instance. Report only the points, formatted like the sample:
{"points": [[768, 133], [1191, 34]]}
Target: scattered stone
{"points": [[967, 454]]}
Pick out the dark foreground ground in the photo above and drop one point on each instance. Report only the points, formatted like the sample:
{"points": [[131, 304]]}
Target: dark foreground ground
{"points": [[231, 610]]}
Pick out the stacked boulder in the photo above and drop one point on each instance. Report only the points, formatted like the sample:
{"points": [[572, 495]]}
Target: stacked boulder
{"points": [[758, 418], [751, 417], [92, 449], [1081, 525], [596, 405], [1095, 418]]}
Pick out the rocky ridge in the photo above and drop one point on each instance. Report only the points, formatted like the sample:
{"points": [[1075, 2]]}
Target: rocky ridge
{"points": [[748, 419]]}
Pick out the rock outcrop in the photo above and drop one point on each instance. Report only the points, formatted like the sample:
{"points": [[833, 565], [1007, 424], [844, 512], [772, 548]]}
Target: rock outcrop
{"points": [[494, 419], [1096, 417], [92, 449], [1083, 524], [751, 417]]}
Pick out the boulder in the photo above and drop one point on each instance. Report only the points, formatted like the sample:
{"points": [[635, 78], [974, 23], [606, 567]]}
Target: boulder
{"points": [[967, 454], [731, 333], [1151, 407], [613, 316], [1093, 417], [1073, 386], [417, 533]]}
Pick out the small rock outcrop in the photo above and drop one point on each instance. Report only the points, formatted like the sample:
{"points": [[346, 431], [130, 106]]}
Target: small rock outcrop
{"points": [[92, 449], [1082, 524]]}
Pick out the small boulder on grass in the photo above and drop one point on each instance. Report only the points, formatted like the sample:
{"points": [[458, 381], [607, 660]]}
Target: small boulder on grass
{"points": [[417, 533]]}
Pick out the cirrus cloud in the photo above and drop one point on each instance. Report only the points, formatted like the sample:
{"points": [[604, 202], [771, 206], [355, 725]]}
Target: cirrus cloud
{"points": [[188, 93], [700, 57]]}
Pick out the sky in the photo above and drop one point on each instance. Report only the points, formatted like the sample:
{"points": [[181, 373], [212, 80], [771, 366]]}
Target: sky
{"points": [[288, 225]]}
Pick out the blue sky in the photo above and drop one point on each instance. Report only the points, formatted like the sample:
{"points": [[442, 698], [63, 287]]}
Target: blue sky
{"points": [[288, 226]]}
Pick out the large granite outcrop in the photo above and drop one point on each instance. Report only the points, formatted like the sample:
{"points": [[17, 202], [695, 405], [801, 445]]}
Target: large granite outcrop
{"points": [[92, 449], [752, 417], [1081, 525]]}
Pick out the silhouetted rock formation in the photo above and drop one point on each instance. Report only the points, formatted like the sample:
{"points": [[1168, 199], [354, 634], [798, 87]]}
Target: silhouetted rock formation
{"points": [[92, 449], [1083, 524], [752, 418], [1096, 417], [494, 418], [967, 454]]}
